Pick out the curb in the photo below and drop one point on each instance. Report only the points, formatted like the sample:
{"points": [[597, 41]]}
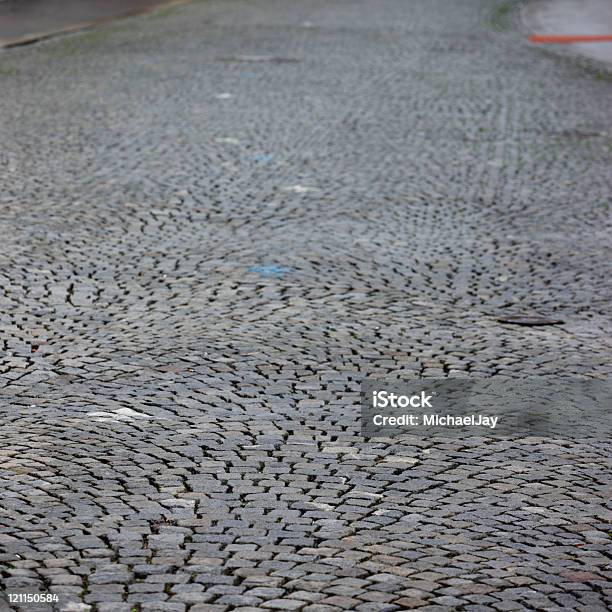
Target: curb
{"points": [[30, 39]]}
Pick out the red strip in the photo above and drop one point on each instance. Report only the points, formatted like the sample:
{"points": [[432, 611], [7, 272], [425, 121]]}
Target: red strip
{"points": [[560, 39]]}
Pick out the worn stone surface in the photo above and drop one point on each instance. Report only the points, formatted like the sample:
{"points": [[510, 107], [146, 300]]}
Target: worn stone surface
{"points": [[215, 224]]}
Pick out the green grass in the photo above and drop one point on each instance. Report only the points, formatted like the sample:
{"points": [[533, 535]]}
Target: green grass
{"points": [[601, 74], [502, 14], [6, 70], [79, 42], [164, 11], [84, 41]]}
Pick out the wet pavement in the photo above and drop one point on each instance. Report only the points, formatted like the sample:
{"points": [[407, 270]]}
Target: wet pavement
{"points": [[23, 21], [216, 222]]}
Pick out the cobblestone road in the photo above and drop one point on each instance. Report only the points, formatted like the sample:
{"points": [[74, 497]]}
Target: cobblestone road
{"points": [[215, 223]]}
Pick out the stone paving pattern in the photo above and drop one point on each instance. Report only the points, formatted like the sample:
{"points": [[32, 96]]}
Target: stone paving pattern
{"points": [[216, 221]]}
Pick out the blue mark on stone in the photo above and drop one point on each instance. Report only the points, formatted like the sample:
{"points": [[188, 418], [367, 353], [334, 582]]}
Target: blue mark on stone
{"points": [[271, 271], [248, 75], [262, 158]]}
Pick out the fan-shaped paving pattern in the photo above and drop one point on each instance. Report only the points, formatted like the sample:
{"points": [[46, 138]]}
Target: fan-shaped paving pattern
{"points": [[215, 224]]}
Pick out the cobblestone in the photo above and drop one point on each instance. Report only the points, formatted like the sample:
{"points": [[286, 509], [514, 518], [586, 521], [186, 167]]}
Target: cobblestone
{"points": [[216, 223]]}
